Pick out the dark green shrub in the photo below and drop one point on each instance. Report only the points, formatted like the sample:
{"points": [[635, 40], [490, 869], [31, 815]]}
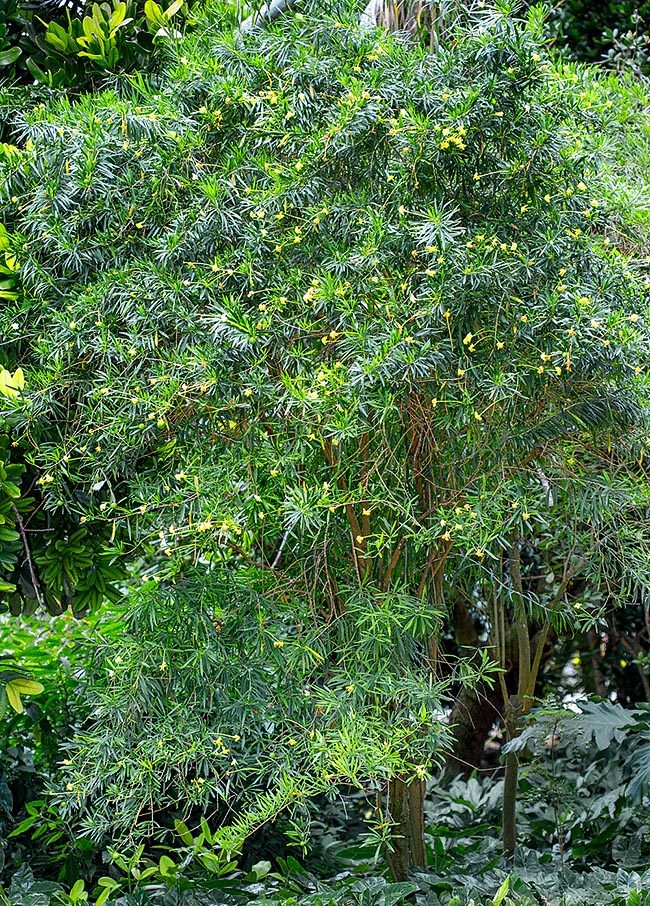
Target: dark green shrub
{"points": [[75, 49], [586, 26]]}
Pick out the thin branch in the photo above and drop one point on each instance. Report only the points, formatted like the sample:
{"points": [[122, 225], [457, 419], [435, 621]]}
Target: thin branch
{"points": [[393, 561], [276, 559], [32, 571]]}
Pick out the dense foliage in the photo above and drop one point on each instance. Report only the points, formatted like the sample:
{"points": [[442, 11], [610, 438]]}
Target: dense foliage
{"points": [[327, 355], [62, 46], [591, 27]]}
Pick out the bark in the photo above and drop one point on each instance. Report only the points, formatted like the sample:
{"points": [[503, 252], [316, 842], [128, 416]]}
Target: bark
{"points": [[477, 710], [406, 811], [474, 714], [509, 814]]}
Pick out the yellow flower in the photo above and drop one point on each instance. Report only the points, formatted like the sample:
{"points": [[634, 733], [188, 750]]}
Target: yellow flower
{"points": [[11, 384]]}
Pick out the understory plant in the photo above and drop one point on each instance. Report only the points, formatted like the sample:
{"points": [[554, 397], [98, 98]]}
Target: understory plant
{"points": [[73, 46], [329, 333]]}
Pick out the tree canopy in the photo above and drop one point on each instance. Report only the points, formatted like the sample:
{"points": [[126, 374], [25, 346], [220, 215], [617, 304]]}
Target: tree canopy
{"points": [[324, 334]]}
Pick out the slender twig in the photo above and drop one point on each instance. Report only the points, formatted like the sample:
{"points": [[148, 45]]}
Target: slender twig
{"points": [[32, 571], [280, 549]]}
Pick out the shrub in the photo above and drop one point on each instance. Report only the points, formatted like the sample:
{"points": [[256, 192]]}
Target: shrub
{"points": [[587, 25], [329, 318], [63, 48]]}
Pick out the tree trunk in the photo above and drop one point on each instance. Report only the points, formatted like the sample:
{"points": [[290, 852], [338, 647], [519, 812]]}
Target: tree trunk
{"points": [[406, 811], [474, 714], [509, 815]]}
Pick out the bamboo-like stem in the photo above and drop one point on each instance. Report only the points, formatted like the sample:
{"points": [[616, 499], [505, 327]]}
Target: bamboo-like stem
{"points": [[510, 784], [521, 618]]}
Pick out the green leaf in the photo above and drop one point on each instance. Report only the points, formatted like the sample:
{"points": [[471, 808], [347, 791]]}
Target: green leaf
{"points": [[117, 16], [260, 870], [154, 12], [183, 832], [77, 892], [7, 57], [602, 722], [14, 698], [27, 686], [501, 893], [24, 825], [11, 489], [173, 8], [167, 867], [638, 763]]}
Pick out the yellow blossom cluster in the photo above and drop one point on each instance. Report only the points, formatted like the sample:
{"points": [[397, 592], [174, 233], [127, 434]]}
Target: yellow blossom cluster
{"points": [[451, 137]]}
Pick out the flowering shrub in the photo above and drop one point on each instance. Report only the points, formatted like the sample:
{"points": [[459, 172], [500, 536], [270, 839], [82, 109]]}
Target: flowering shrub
{"points": [[339, 320]]}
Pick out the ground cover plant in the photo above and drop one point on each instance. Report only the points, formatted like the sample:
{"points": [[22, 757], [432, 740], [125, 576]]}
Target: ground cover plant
{"points": [[327, 356]]}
